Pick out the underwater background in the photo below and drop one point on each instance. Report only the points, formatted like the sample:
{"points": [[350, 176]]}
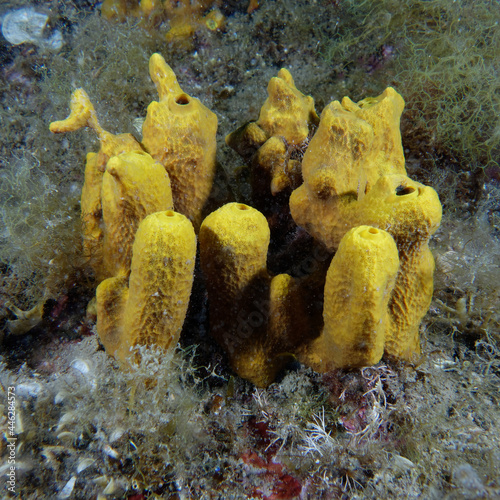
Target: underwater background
{"points": [[423, 430]]}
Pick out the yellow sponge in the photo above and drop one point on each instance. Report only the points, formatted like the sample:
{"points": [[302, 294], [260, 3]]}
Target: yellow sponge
{"points": [[152, 308], [258, 320], [179, 132], [233, 256], [133, 186], [83, 115], [354, 145], [287, 112], [274, 144], [358, 288]]}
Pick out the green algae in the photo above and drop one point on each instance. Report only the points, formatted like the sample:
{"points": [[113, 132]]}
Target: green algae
{"points": [[445, 62]]}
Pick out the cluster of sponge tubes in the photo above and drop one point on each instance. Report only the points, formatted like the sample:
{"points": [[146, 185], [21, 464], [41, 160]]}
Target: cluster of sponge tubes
{"points": [[142, 252], [343, 177]]}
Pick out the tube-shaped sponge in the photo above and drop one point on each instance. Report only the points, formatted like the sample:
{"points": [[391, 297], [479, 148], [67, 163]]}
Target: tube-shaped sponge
{"points": [[358, 288], [233, 254], [179, 132], [133, 186], [258, 320], [83, 115], [152, 309]]}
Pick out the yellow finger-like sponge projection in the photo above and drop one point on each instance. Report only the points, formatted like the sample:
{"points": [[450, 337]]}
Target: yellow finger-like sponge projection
{"points": [[287, 112], [83, 115], [149, 308], [353, 146], [273, 144], [133, 186], [258, 320], [411, 213], [233, 255], [179, 132], [358, 288]]}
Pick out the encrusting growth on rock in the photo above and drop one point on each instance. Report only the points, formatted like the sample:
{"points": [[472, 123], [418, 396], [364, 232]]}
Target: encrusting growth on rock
{"points": [[184, 17], [179, 132]]}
